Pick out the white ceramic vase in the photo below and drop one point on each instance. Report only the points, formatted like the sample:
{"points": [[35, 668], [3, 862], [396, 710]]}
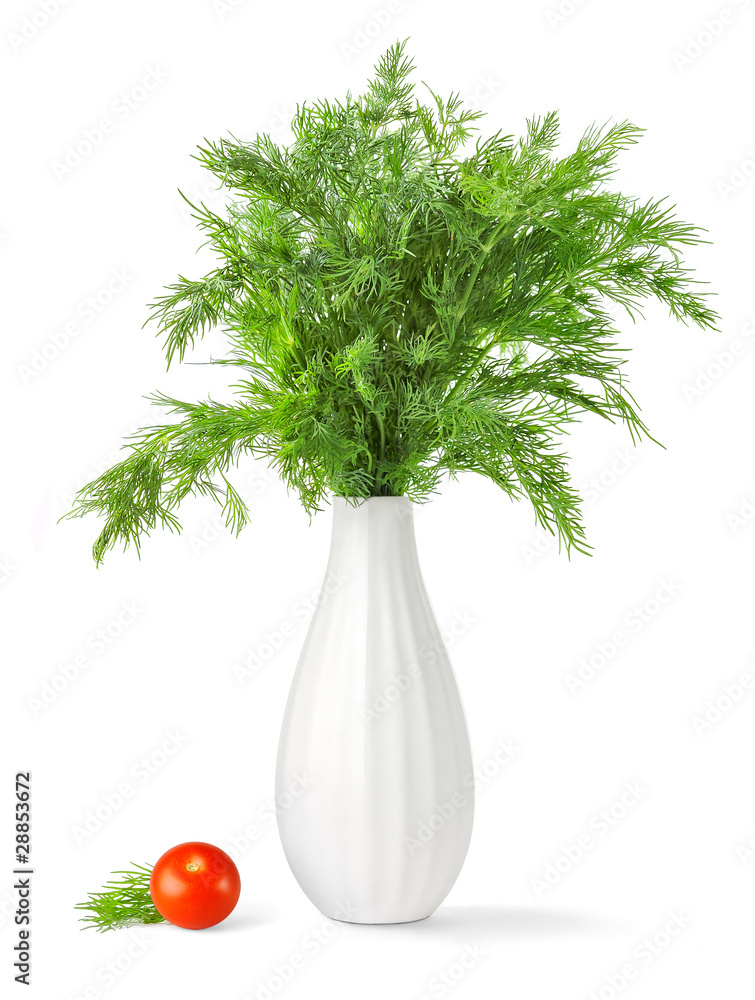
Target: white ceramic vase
{"points": [[374, 776]]}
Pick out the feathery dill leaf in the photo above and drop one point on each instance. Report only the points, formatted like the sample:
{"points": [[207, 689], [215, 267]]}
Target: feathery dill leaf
{"points": [[404, 307], [121, 902]]}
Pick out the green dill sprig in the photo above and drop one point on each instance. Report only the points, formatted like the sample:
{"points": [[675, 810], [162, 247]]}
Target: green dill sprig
{"points": [[404, 305], [122, 901]]}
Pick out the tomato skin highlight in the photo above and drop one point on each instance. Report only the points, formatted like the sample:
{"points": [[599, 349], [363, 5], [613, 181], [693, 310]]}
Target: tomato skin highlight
{"points": [[195, 885]]}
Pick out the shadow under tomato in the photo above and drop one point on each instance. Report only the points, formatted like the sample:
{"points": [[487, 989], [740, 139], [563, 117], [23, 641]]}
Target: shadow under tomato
{"points": [[244, 920]]}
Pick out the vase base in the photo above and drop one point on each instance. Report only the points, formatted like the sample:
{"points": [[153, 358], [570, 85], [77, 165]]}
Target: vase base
{"points": [[375, 923]]}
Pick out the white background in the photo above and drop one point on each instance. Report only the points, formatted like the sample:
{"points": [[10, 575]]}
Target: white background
{"points": [[206, 602]]}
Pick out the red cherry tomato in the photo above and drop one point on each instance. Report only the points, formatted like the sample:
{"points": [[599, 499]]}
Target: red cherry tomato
{"points": [[195, 885]]}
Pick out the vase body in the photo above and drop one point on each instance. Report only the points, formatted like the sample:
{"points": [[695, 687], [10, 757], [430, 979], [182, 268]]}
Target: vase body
{"points": [[374, 774]]}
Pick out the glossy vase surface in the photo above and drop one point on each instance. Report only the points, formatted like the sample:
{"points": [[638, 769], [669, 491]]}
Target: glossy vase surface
{"points": [[374, 775]]}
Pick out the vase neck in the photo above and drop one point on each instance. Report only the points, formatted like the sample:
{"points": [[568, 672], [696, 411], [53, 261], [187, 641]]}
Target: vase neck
{"points": [[375, 528]]}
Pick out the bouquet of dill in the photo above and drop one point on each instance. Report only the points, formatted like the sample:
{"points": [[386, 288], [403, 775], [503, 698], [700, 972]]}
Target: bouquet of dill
{"points": [[403, 304]]}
